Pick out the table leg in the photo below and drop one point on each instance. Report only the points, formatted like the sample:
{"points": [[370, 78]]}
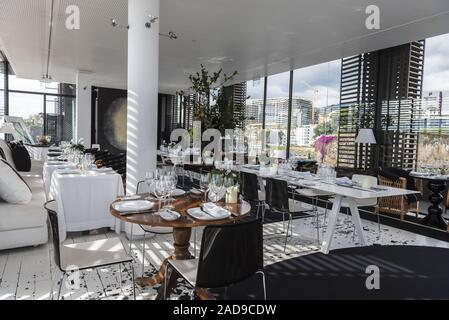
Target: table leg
{"points": [[181, 238], [357, 221], [333, 215], [434, 217]]}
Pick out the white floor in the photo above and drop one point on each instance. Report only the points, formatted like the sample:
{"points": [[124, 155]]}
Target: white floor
{"points": [[26, 274]]}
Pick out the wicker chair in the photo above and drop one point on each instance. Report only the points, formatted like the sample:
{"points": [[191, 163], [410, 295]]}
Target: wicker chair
{"points": [[398, 204]]}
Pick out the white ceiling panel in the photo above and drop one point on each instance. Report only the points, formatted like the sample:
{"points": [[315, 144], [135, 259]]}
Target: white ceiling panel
{"points": [[255, 37]]}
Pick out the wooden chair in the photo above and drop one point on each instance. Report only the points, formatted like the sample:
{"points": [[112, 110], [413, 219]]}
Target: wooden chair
{"points": [[398, 204]]}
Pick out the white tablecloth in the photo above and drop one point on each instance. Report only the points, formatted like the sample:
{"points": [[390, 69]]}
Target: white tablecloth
{"points": [[48, 172], [84, 200]]}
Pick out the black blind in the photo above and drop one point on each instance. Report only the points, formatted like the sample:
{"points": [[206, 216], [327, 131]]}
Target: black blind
{"points": [[3, 75]]}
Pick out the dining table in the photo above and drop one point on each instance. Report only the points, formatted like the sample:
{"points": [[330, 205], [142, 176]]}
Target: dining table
{"points": [[49, 168], [351, 193], [182, 228], [83, 198]]}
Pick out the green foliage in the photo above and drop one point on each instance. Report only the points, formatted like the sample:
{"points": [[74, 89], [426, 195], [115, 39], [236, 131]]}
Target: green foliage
{"points": [[77, 147], [224, 114]]}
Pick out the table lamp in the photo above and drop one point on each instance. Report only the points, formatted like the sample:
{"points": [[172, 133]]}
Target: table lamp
{"points": [[365, 136]]}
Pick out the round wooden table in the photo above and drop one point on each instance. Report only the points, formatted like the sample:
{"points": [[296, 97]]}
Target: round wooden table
{"points": [[182, 229]]}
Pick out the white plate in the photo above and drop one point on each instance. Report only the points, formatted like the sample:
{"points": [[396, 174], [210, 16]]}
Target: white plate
{"points": [[133, 206], [178, 193], [199, 214], [196, 192], [169, 215]]}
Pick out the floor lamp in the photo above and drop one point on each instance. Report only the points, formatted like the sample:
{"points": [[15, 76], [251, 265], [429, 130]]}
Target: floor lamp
{"points": [[365, 137]]}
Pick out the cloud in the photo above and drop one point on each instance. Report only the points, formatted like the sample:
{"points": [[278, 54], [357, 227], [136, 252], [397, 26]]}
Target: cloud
{"points": [[325, 77]]}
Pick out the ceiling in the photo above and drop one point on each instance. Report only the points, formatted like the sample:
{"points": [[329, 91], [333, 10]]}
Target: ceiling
{"points": [[255, 37]]}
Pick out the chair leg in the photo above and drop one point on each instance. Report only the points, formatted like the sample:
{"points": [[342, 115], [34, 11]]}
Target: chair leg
{"points": [[263, 284], [143, 253], [61, 280], [288, 228], [315, 209], [133, 283], [378, 221], [131, 238], [194, 242], [263, 211], [165, 281], [121, 278], [258, 208]]}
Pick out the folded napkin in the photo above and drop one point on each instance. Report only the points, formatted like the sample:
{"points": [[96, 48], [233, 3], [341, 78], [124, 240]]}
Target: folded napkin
{"points": [[343, 180], [214, 210]]}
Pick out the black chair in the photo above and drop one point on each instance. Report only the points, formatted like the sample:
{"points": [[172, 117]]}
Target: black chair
{"points": [[251, 192], [86, 255], [277, 198], [229, 254]]}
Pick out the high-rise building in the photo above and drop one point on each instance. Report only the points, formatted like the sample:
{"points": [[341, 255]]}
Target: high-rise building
{"points": [[277, 111]]}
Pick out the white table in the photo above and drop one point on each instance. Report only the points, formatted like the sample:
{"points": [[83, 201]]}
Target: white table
{"points": [[350, 194], [47, 173], [84, 200]]}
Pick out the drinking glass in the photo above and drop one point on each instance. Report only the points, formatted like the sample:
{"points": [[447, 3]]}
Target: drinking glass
{"points": [[204, 185], [149, 181], [217, 187], [171, 187], [161, 191]]}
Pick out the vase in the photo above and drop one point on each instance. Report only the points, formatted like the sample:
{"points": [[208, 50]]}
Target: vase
{"points": [[232, 195]]}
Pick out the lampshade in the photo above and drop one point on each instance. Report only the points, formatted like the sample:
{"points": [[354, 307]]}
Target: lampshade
{"points": [[366, 136], [7, 128]]}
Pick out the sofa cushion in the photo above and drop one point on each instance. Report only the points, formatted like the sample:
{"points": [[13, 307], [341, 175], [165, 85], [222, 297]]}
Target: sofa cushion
{"points": [[13, 189], [20, 156], [31, 215], [7, 152]]}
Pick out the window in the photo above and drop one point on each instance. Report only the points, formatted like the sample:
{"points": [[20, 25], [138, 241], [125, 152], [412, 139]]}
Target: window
{"points": [[276, 114], [30, 107], [254, 116], [433, 148], [47, 108], [315, 107]]}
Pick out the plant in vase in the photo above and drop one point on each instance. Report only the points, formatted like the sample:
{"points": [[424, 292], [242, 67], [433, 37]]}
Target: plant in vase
{"points": [[322, 145]]}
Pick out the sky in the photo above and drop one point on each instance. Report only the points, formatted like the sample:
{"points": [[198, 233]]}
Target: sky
{"points": [[325, 78]]}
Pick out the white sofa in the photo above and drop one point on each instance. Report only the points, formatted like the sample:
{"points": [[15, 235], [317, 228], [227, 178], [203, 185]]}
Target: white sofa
{"points": [[24, 225]]}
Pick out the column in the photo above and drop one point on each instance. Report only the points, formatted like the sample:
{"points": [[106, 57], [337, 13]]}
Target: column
{"points": [[83, 122], [143, 82]]}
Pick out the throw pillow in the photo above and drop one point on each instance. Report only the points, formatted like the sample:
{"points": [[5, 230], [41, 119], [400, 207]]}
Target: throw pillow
{"points": [[21, 157], [13, 189]]}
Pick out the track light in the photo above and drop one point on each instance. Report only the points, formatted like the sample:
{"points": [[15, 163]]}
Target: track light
{"points": [[116, 24], [171, 35], [152, 20]]}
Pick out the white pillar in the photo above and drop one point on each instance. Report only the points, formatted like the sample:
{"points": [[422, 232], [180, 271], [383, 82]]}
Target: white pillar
{"points": [[83, 108], [143, 82]]}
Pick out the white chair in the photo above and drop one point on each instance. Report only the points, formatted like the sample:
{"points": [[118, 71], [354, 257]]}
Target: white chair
{"points": [[86, 255], [363, 180], [314, 195]]}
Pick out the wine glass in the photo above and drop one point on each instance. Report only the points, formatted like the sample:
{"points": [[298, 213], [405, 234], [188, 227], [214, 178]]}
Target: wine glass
{"points": [[161, 190], [149, 181], [204, 185], [171, 181], [217, 187]]}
